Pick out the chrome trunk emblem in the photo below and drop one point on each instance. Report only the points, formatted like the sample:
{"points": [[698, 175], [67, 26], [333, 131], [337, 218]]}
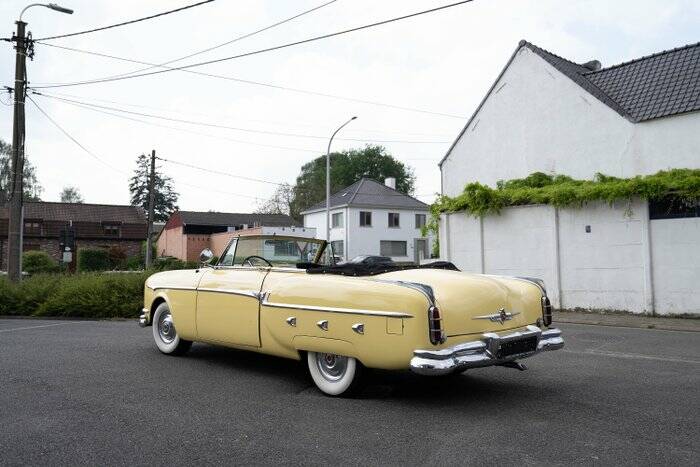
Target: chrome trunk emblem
{"points": [[501, 317]]}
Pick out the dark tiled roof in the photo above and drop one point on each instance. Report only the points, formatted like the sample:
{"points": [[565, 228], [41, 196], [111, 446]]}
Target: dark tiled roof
{"points": [[231, 219], [367, 192], [658, 85], [81, 212]]}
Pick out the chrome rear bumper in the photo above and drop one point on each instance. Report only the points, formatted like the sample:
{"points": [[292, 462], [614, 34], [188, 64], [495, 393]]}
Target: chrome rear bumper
{"points": [[484, 352]]}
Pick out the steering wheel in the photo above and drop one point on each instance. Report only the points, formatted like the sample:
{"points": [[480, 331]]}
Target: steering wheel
{"points": [[248, 260]]}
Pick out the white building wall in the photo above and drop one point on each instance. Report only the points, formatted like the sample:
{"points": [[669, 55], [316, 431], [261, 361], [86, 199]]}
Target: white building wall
{"points": [[676, 265], [625, 262], [366, 240], [537, 119], [603, 269]]}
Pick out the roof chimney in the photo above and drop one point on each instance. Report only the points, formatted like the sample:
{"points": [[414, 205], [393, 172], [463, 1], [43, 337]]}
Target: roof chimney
{"points": [[390, 182], [593, 65]]}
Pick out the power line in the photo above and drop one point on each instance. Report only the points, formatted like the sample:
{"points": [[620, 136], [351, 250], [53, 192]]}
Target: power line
{"points": [[138, 20], [93, 155], [287, 148], [55, 123], [270, 49], [233, 78], [247, 130], [236, 39], [219, 116], [218, 172]]}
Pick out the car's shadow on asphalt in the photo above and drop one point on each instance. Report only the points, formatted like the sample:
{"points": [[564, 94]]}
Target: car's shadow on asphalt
{"points": [[396, 385]]}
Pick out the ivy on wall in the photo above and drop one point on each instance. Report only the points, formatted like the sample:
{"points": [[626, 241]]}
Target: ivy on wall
{"points": [[563, 191]]}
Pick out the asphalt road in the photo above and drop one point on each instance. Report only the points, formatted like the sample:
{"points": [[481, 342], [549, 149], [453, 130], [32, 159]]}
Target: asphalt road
{"points": [[91, 392]]}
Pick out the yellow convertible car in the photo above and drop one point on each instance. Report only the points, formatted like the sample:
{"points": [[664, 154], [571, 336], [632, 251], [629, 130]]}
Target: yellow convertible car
{"points": [[278, 296]]}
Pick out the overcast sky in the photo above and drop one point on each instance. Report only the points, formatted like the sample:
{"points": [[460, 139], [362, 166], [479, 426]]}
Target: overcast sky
{"points": [[442, 62]]}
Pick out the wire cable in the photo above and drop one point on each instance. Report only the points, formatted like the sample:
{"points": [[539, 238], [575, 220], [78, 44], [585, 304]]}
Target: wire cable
{"points": [[268, 49], [138, 20], [247, 130], [236, 39], [238, 80], [90, 153]]}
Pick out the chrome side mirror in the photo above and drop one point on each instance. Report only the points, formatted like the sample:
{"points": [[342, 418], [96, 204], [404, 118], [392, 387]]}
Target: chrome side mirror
{"points": [[206, 256]]}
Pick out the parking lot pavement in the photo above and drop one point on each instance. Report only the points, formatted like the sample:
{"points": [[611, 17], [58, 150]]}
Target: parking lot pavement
{"points": [[98, 392]]}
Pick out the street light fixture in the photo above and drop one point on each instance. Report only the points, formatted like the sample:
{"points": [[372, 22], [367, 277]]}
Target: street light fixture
{"points": [[328, 182], [51, 6], [15, 224]]}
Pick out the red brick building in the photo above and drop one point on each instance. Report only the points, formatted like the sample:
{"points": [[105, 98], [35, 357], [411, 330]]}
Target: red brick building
{"points": [[187, 233], [93, 226]]}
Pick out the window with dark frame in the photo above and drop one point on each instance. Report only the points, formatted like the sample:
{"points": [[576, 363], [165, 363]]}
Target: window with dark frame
{"points": [[338, 247], [420, 220], [365, 219], [337, 219], [111, 230], [672, 207], [393, 219], [32, 227], [392, 248]]}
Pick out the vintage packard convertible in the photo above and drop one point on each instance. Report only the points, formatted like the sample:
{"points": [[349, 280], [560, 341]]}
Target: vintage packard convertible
{"points": [[277, 295]]}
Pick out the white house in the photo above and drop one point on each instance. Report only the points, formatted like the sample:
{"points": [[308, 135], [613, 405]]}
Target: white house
{"points": [[368, 218], [548, 114]]}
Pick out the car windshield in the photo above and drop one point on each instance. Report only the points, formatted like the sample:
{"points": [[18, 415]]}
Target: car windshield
{"points": [[277, 251]]}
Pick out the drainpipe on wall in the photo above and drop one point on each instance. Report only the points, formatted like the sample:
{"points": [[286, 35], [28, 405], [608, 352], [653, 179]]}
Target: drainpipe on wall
{"points": [[646, 252], [557, 260]]}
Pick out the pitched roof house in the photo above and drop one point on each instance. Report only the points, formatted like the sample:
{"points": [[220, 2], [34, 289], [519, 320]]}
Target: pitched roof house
{"points": [[91, 225], [545, 113], [370, 218]]}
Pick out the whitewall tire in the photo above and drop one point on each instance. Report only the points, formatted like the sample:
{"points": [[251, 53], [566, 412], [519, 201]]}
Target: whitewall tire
{"points": [[334, 375], [164, 333]]}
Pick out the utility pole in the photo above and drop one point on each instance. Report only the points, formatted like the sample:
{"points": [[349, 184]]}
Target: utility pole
{"points": [[151, 203], [14, 234], [14, 237]]}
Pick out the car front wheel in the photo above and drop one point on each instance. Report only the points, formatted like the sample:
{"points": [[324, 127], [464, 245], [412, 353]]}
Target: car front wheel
{"points": [[333, 374], [164, 332]]}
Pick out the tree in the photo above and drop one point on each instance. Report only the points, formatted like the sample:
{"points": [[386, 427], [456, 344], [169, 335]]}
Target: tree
{"points": [[32, 188], [279, 203], [71, 194], [165, 196], [347, 167]]}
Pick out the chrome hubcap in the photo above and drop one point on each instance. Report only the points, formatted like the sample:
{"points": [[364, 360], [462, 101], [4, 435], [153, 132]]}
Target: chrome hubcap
{"points": [[166, 328], [331, 366]]}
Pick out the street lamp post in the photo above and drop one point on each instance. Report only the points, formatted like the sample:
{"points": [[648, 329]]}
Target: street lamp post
{"points": [[14, 234], [328, 182]]}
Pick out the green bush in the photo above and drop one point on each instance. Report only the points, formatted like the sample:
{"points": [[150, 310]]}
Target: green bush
{"points": [[117, 257], [38, 262], [96, 296], [134, 263], [92, 259]]}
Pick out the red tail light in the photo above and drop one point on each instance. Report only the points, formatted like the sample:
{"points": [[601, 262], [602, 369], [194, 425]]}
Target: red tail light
{"points": [[437, 334], [546, 311]]}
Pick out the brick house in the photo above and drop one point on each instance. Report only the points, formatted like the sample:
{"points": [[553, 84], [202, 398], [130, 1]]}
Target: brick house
{"points": [[187, 233], [94, 226]]}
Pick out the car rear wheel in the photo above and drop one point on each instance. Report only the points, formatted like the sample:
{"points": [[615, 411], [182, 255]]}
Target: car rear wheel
{"points": [[164, 333], [333, 374]]}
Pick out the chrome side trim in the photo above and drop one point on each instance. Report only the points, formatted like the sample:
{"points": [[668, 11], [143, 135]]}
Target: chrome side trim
{"points": [[173, 288], [243, 293], [351, 311], [483, 352]]}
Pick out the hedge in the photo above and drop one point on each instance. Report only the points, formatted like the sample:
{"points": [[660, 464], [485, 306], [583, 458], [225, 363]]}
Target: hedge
{"points": [[563, 191], [83, 295], [93, 259], [90, 295], [38, 262]]}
